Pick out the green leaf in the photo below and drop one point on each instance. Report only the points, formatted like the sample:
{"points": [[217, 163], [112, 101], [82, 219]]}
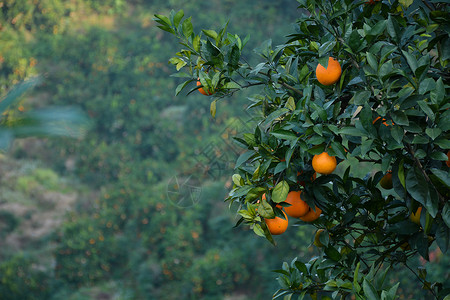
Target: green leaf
{"points": [[231, 85], [237, 179], [280, 192], [397, 133], [371, 59], [161, 19], [348, 130], [326, 47], [187, 28], [210, 33], [212, 108], [438, 155], [273, 116], [284, 134], [417, 186], [427, 85], [258, 230], [290, 103], [181, 86], [446, 214], [196, 43], [361, 97], [369, 291], [400, 118], [244, 157], [378, 28], [338, 150], [411, 60], [265, 210], [177, 18], [443, 176], [438, 94], [433, 133], [332, 253], [426, 109]]}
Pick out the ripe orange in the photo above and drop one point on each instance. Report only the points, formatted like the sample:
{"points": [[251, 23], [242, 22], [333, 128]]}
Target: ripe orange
{"points": [[448, 161], [386, 181], [415, 217], [277, 225], [311, 215], [298, 207], [317, 241], [331, 74], [324, 163], [202, 91]]}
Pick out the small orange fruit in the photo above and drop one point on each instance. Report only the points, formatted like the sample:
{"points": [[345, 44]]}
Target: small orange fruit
{"points": [[324, 163], [331, 74], [202, 91], [415, 217], [298, 207], [277, 225], [386, 181], [311, 215]]}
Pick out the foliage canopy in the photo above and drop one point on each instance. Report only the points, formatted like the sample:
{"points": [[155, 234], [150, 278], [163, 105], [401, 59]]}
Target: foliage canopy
{"points": [[389, 109]]}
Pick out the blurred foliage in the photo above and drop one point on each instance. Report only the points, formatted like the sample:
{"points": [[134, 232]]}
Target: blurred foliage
{"points": [[131, 236]]}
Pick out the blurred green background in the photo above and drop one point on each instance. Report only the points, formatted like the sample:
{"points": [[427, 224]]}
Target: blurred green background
{"points": [[134, 209]]}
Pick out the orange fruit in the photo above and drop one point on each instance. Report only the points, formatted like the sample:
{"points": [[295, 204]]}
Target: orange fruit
{"points": [[298, 207], [415, 217], [277, 225], [317, 241], [331, 74], [202, 91], [383, 120], [311, 215], [448, 161], [324, 163], [386, 181], [371, 1]]}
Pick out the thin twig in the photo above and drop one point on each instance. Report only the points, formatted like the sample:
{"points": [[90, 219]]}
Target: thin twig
{"points": [[291, 88]]}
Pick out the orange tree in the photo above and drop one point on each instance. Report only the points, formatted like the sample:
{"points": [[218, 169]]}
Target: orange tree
{"points": [[384, 104]]}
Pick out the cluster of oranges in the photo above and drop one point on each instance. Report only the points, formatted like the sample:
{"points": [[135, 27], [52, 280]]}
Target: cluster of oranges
{"points": [[323, 164]]}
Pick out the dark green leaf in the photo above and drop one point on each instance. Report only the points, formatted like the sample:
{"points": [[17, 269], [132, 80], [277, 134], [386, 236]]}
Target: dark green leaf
{"points": [[400, 118], [369, 291]]}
